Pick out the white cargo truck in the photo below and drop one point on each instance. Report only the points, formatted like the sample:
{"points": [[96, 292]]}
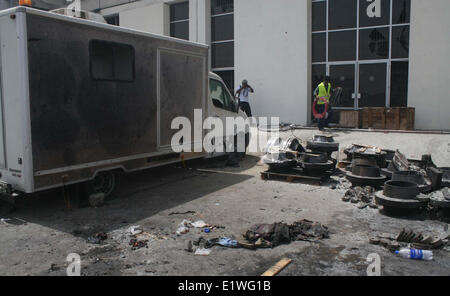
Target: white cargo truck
{"points": [[82, 100]]}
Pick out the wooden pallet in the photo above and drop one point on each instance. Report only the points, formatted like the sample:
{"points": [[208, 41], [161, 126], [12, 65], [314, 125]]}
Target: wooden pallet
{"points": [[374, 117], [291, 176], [350, 119], [388, 118], [400, 118]]}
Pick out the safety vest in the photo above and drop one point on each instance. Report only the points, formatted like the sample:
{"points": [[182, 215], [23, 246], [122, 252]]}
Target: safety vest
{"points": [[324, 94]]}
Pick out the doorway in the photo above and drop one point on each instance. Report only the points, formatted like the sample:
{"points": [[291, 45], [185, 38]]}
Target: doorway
{"points": [[363, 84]]}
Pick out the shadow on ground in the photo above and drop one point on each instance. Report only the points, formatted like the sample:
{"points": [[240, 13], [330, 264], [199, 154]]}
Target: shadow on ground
{"points": [[140, 195]]}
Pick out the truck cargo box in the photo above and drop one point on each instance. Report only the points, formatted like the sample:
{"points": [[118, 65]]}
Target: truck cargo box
{"points": [[80, 97]]}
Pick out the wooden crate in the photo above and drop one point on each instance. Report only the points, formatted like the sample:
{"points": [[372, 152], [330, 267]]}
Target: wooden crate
{"points": [[400, 118], [374, 118], [393, 118], [407, 119], [350, 118]]}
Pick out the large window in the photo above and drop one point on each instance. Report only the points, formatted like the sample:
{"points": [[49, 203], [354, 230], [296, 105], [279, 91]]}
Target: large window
{"points": [[366, 37], [111, 61], [222, 40], [179, 20]]}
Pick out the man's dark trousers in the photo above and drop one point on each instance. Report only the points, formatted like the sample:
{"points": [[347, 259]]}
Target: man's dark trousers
{"points": [[324, 121], [245, 106]]}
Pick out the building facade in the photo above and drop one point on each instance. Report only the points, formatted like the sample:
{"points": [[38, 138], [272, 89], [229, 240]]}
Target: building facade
{"points": [[383, 53]]}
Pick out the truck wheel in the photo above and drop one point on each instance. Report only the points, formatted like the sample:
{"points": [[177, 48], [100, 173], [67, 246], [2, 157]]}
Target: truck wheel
{"points": [[104, 182]]}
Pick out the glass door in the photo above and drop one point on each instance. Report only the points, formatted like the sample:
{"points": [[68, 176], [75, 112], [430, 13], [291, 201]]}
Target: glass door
{"points": [[343, 75], [372, 84]]}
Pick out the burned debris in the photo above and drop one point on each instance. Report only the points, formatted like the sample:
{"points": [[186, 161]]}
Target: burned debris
{"points": [[97, 238], [321, 143], [289, 159], [363, 196], [407, 185], [413, 177], [401, 195], [272, 235], [366, 165], [379, 178], [411, 238], [366, 175], [440, 199], [262, 236]]}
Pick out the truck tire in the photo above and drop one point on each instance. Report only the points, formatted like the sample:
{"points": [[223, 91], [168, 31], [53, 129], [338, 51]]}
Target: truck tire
{"points": [[104, 182]]}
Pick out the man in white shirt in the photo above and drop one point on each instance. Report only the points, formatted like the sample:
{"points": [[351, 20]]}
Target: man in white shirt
{"points": [[243, 93]]}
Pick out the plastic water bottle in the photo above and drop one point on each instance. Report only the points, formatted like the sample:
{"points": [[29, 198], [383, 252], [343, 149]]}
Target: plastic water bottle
{"points": [[415, 254]]}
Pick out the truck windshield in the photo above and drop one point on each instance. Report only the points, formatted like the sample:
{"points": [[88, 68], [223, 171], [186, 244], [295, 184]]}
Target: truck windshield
{"points": [[220, 96]]}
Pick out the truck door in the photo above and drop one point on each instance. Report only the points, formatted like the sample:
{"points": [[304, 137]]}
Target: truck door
{"points": [[224, 106]]}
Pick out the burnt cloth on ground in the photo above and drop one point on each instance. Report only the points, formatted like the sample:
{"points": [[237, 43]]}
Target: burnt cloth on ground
{"points": [[282, 233]]}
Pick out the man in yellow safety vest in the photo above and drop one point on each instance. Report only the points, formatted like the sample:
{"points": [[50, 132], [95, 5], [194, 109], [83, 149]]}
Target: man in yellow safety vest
{"points": [[322, 96]]}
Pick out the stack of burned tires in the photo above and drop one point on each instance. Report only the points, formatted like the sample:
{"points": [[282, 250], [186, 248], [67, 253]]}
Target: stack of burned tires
{"points": [[405, 184], [290, 156]]}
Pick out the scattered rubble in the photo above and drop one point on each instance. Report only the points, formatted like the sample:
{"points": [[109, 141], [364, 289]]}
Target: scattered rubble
{"points": [[202, 252], [410, 238], [272, 235], [98, 238], [134, 230], [202, 246], [185, 225], [138, 244], [363, 196], [440, 199], [182, 213], [264, 236]]}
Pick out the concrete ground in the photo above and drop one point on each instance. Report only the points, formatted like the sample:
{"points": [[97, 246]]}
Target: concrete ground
{"points": [[235, 198]]}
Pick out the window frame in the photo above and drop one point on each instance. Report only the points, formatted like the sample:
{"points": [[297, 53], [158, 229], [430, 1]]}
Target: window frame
{"points": [[112, 43], [180, 21], [392, 25], [215, 43]]}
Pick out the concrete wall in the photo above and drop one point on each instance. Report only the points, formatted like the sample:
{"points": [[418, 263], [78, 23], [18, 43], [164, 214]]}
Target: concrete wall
{"points": [[151, 18], [272, 51], [200, 21], [272, 47], [429, 77], [154, 16]]}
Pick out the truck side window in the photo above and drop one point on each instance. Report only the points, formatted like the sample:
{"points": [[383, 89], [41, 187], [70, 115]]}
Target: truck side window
{"points": [[217, 95], [220, 96], [111, 61]]}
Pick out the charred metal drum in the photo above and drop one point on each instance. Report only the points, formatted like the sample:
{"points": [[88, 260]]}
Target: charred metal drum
{"points": [[361, 161], [401, 195], [366, 175], [414, 177], [354, 152], [322, 143], [445, 177], [317, 164], [281, 155]]}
